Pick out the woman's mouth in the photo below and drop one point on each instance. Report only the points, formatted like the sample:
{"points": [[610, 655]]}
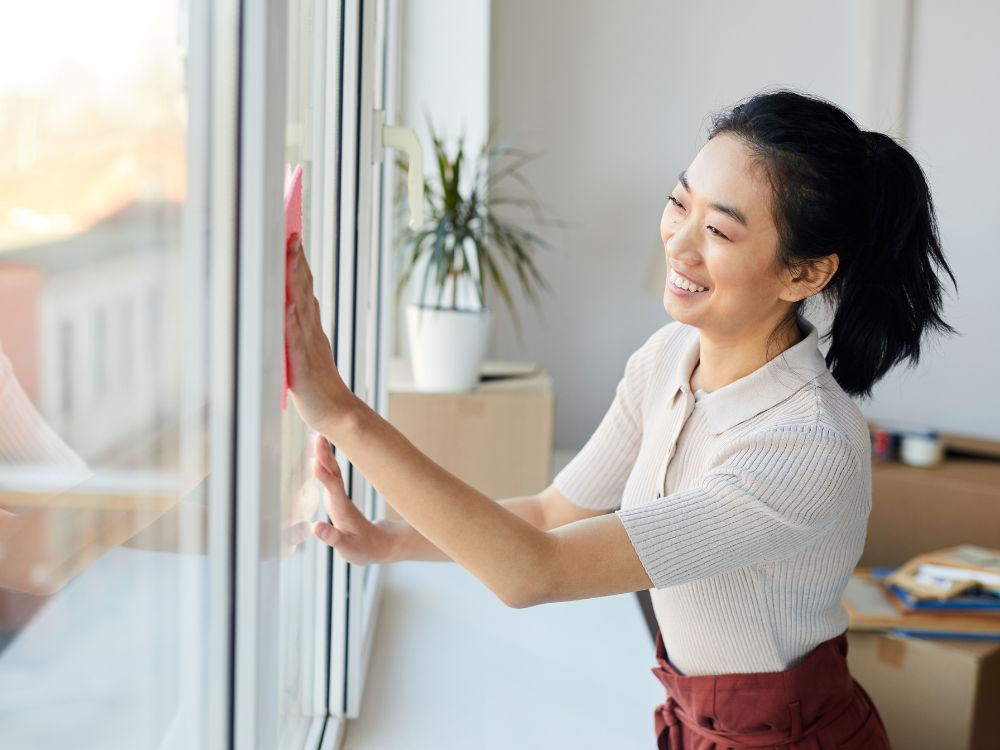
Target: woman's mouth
{"points": [[681, 286]]}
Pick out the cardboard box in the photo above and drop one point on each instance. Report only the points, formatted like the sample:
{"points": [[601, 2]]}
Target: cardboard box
{"points": [[915, 510], [932, 694], [497, 438]]}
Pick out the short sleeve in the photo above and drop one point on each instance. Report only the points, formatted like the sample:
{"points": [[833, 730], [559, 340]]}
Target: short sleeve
{"points": [[771, 496], [595, 478]]}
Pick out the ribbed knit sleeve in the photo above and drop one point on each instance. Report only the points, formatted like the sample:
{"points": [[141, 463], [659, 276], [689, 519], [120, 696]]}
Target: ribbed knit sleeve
{"points": [[596, 476], [768, 497]]}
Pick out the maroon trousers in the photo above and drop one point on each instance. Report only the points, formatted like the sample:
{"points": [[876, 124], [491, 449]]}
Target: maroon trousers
{"points": [[816, 705]]}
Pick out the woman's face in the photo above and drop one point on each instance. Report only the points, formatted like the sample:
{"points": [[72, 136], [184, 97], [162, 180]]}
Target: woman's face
{"points": [[717, 231]]}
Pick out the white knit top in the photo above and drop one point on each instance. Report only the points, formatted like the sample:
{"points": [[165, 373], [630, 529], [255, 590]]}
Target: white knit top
{"points": [[766, 488]]}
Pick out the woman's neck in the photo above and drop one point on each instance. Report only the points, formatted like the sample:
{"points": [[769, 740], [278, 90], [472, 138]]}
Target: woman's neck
{"points": [[723, 361]]}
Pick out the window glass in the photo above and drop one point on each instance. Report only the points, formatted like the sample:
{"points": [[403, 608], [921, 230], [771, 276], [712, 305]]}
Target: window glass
{"points": [[304, 587], [104, 323]]}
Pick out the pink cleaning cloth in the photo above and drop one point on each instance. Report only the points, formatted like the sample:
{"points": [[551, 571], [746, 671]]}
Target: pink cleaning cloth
{"points": [[293, 229]]}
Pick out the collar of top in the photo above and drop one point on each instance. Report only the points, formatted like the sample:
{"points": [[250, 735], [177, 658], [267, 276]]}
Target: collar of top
{"points": [[761, 389]]}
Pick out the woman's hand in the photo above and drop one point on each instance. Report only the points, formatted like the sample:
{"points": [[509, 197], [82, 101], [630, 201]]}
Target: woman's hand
{"points": [[358, 540], [318, 393]]}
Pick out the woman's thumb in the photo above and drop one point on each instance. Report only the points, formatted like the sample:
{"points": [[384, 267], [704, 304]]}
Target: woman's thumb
{"points": [[326, 532]]}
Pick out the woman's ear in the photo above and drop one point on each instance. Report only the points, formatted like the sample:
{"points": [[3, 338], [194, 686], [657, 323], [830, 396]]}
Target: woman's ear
{"points": [[810, 278]]}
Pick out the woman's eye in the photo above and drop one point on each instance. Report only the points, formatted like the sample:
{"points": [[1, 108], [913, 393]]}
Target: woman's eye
{"points": [[716, 232]]}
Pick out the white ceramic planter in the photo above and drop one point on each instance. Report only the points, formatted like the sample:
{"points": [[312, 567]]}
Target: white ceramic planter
{"points": [[447, 347]]}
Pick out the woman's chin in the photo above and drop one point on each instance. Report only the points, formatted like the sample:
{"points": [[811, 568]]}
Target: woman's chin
{"points": [[682, 315], [675, 311]]}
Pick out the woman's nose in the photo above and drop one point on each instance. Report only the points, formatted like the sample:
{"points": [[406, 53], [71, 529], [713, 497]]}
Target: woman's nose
{"points": [[680, 242]]}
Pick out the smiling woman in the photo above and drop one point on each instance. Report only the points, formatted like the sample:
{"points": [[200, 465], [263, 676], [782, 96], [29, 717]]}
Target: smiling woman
{"points": [[744, 510]]}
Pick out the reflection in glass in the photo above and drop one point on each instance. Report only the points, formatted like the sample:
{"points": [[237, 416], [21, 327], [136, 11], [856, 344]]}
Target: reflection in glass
{"points": [[103, 371]]}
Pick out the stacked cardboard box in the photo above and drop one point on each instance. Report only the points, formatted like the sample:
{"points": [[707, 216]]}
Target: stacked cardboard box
{"points": [[933, 694], [498, 438]]}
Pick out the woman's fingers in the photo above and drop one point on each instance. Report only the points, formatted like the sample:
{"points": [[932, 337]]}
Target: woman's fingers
{"points": [[298, 285], [317, 390], [357, 539], [326, 532], [338, 505], [324, 455], [364, 548], [302, 281]]}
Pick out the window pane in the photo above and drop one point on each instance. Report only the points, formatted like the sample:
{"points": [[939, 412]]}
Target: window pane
{"points": [[303, 579], [104, 279]]}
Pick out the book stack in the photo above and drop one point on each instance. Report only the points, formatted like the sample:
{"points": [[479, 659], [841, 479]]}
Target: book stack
{"points": [[949, 593]]}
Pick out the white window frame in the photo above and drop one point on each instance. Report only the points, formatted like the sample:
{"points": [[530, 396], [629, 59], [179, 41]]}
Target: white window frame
{"points": [[348, 203], [259, 342], [213, 53], [363, 299]]}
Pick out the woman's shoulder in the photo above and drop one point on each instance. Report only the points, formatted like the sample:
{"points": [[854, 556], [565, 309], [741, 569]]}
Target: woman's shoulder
{"points": [[823, 406], [836, 407]]}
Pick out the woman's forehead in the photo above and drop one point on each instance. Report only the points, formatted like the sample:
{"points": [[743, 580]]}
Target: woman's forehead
{"points": [[725, 172]]}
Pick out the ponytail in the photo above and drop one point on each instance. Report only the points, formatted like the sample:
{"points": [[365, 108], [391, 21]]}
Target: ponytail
{"points": [[838, 189], [889, 293]]}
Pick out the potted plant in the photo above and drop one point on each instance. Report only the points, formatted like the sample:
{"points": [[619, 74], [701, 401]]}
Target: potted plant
{"points": [[461, 242]]}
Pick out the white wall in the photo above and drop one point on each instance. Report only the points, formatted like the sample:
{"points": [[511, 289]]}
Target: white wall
{"points": [[444, 71], [953, 121], [617, 96]]}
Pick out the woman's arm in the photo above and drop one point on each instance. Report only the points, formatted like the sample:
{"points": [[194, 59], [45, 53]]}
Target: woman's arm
{"points": [[547, 510], [519, 562], [410, 544], [504, 551]]}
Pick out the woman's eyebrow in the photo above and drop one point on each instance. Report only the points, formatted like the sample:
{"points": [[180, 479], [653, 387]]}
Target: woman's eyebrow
{"points": [[730, 211]]}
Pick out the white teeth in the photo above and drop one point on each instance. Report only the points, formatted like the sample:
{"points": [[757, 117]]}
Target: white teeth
{"points": [[683, 283]]}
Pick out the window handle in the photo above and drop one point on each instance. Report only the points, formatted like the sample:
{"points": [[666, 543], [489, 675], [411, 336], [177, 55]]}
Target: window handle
{"points": [[405, 140]]}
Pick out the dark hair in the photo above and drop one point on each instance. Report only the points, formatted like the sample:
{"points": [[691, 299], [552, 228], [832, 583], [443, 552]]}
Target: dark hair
{"points": [[839, 189]]}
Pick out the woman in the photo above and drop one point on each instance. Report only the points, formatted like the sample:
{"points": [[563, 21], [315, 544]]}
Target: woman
{"points": [[734, 458]]}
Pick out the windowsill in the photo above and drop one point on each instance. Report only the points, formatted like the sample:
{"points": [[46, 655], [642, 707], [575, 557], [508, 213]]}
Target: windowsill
{"points": [[453, 667]]}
